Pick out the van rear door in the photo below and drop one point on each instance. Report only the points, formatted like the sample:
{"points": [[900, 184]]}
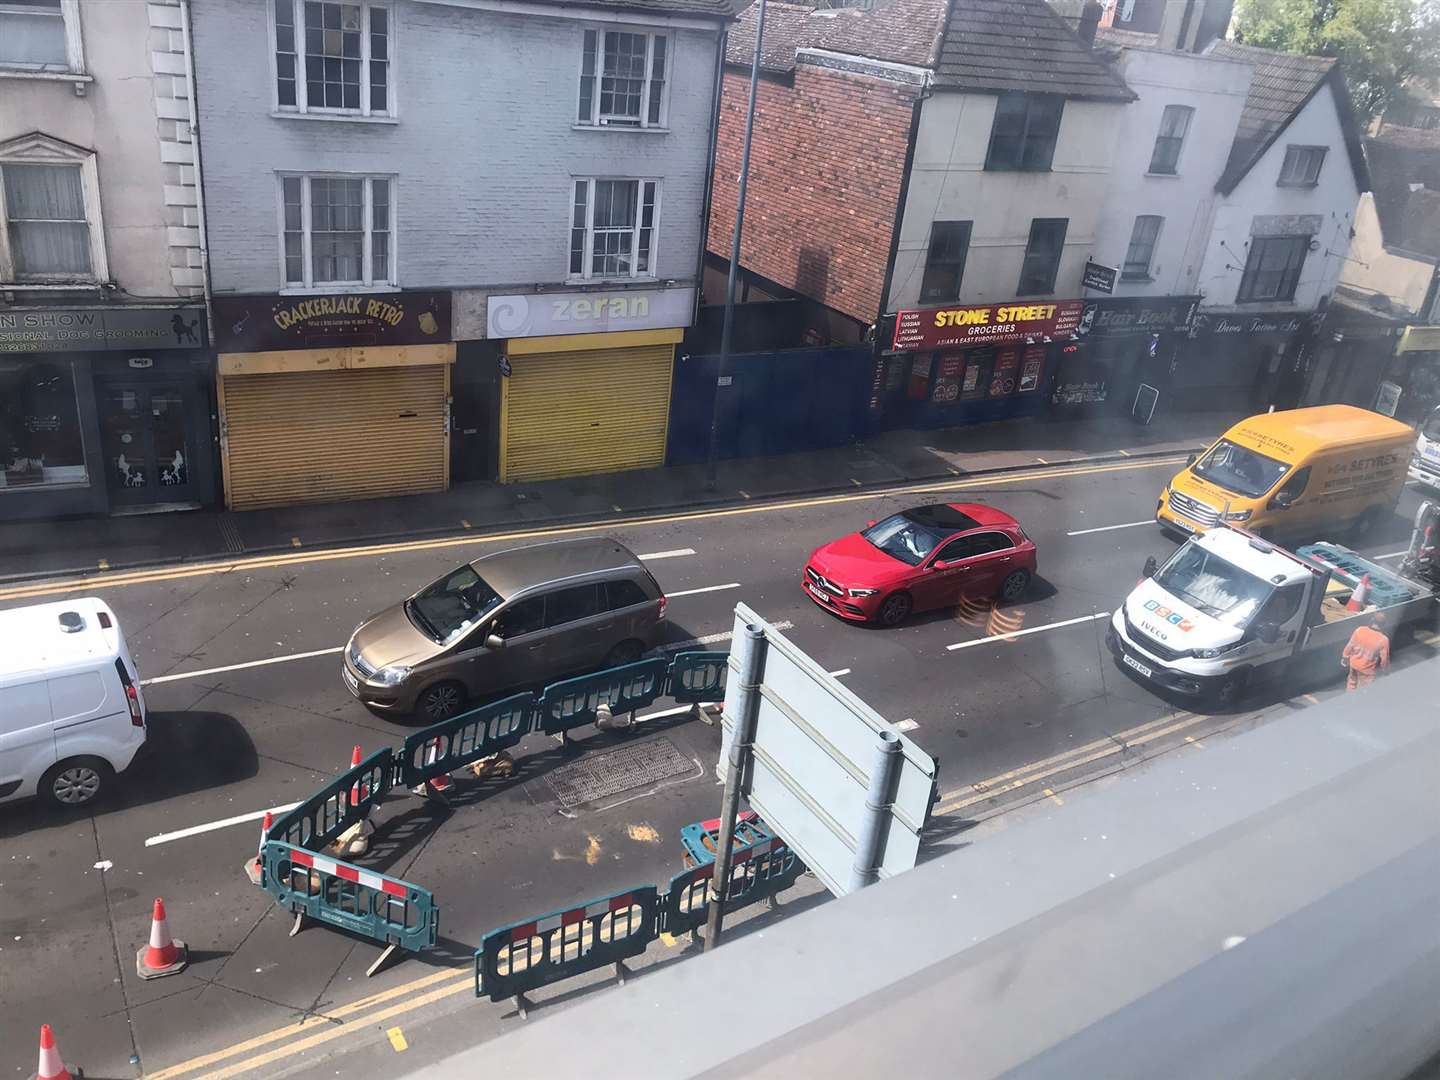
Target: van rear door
{"points": [[91, 714], [27, 736]]}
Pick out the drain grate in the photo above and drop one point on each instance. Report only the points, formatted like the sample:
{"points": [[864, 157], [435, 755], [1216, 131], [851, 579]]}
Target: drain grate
{"points": [[231, 535], [620, 770]]}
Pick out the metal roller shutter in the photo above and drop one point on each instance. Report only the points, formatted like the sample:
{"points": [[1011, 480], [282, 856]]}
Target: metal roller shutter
{"points": [[324, 436], [572, 413]]}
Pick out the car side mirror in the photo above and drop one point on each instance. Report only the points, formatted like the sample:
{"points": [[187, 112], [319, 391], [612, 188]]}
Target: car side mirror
{"points": [[939, 564], [494, 641], [1191, 460], [870, 524], [1151, 566], [1267, 633], [1283, 500]]}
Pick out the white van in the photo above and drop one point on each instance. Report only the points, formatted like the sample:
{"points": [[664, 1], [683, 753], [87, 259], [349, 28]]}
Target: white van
{"points": [[1425, 461], [72, 714]]}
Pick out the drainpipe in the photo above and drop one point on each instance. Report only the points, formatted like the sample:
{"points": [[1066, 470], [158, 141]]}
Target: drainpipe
{"points": [[199, 173], [710, 153]]}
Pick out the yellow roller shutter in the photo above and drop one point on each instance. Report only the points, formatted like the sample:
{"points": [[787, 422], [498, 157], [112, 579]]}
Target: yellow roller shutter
{"points": [[323, 436], [586, 412]]}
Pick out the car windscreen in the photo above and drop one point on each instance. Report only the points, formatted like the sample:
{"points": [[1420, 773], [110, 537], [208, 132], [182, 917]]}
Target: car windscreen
{"points": [[902, 537], [1239, 469], [1218, 588], [446, 609]]}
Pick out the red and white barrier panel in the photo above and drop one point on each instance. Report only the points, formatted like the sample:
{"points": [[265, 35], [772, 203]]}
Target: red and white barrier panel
{"points": [[346, 872], [756, 850], [571, 917]]}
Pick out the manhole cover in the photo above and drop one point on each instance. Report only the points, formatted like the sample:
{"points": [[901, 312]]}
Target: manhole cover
{"points": [[620, 770]]}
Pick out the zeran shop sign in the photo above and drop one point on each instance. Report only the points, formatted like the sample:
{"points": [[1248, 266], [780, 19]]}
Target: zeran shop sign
{"points": [[331, 320], [546, 314], [942, 328]]}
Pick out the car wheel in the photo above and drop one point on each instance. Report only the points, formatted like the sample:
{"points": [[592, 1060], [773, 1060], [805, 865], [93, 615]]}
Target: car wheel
{"points": [[627, 652], [1232, 689], [441, 701], [894, 610], [76, 782], [1014, 585]]}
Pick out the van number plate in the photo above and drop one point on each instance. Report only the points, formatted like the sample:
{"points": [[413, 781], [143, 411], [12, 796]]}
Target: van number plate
{"points": [[1141, 668]]}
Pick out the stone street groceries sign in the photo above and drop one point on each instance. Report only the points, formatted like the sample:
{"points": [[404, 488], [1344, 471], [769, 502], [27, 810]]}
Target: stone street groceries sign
{"points": [[941, 328], [1127, 316], [83, 329], [331, 320], [544, 314], [1098, 277]]}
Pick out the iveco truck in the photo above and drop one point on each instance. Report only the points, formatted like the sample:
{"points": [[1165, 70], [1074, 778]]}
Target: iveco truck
{"points": [[1229, 609]]}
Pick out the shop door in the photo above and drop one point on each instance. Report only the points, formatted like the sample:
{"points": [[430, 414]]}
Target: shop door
{"points": [[145, 438], [571, 413]]}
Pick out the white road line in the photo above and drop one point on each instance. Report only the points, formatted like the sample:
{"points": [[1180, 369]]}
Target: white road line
{"points": [[238, 667], [667, 554], [907, 724], [842, 671], [1108, 528], [1030, 630], [676, 711], [707, 588], [196, 830], [1392, 555], [715, 639]]}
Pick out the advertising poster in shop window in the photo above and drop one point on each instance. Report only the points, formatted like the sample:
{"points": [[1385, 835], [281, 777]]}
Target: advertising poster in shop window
{"points": [[947, 377], [1003, 378], [1033, 364]]}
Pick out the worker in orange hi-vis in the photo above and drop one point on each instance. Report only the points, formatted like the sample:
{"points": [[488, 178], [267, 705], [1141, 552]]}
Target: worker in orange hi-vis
{"points": [[1367, 654]]}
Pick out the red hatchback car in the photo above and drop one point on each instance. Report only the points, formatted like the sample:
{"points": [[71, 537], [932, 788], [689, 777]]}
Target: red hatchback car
{"points": [[916, 560]]}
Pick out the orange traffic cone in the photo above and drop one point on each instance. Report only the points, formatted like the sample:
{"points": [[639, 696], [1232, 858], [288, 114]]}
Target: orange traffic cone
{"points": [[252, 868], [51, 1067], [164, 955], [1359, 596], [355, 790], [441, 783]]}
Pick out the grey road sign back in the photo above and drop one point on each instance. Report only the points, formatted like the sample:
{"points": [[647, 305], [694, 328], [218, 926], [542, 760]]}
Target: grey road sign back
{"points": [[815, 746]]}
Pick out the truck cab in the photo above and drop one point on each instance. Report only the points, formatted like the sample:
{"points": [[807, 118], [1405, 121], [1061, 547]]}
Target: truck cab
{"points": [[1425, 461]]}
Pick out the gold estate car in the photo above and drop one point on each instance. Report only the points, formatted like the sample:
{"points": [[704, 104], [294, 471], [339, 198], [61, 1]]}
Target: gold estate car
{"points": [[509, 620]]}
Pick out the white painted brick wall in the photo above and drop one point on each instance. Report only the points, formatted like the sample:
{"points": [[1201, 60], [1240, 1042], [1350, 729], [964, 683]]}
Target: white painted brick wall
{"points": [[177, 152], [485, 150], [172, 110], [167, 63]]}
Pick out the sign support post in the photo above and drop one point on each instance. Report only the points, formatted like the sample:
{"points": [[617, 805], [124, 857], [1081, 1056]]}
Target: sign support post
{"points": [[879, 799], [750, 649]]}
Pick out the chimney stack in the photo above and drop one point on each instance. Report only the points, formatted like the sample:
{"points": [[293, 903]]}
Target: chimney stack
{"points": [[1089, 21]]}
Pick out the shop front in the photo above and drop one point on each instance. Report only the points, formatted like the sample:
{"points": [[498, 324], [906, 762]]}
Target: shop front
{"points": [[963, 365], [1414, 377], [333, 397], [104, 410], [584, 379], [1120, 344], [1245, 361]]}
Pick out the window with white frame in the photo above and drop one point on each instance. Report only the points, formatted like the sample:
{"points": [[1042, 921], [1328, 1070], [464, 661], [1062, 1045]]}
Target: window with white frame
{"points": [[1141, 252], [622, 78], [1301, 167], [333, 57], [50, 212], [1174, 124], [612, 228], [337, 230], [41, 36]]}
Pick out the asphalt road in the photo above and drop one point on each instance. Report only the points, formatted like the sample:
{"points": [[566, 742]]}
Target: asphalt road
{"points": [[248, 712]]}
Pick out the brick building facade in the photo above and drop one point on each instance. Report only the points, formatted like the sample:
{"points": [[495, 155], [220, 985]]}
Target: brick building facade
{"points": [[820, 215]]}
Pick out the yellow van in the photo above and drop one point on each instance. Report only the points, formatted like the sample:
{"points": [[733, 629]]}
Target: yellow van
{"points": [[1301, 471]]}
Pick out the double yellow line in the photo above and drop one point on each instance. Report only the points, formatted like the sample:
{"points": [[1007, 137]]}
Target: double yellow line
{"points": [[265, 562], [318, 1030], [1038, 771]]}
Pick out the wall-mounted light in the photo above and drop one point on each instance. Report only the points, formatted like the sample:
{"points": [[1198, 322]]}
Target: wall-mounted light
{"points": [[1314, 244]]}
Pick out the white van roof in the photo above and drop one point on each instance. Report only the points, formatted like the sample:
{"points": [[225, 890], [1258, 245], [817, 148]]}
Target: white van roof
{"points": [[35, 640], [1259, 557]]}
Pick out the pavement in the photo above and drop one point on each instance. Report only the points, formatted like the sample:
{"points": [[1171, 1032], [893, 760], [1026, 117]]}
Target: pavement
{"points": [[248, 712], [76, 546]]}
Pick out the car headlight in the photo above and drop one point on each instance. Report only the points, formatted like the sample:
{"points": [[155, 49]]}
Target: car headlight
{"points": [[861, 592], [1237, 515], [393, 675], [1219, 650]]}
